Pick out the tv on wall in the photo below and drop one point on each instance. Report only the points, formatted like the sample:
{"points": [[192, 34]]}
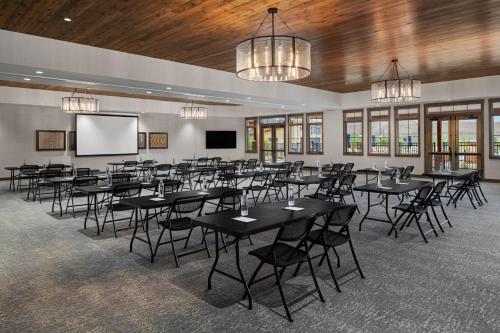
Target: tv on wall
{"points": [[220, 140]]}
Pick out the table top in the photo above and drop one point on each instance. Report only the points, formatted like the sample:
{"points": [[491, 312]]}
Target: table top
{"points": [[305, 180], [390, 186], [11, 168], [448, 174], [97, 189], [70, 179], [372, 170], [268, 216], [145, 202]]}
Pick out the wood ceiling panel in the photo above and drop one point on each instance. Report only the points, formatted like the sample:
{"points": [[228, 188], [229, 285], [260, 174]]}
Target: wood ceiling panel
{"points": [[352, 41]]}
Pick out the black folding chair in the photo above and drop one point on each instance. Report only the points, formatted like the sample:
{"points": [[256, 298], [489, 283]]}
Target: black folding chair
{"points": [[434, 200], [130, 167], [463, 187], [327, 238], [42, 183], [289, 248], [120, 192], [79, 181], [347, 169], [179, 219], [163, 171], [251, 164], [258, 184], [207, 174], [26, 172], [226, 176], [277, 185], [414, 210], [325, 189]]}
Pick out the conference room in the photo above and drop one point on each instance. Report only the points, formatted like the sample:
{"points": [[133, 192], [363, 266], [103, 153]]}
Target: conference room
{"points": [[201, 166]]}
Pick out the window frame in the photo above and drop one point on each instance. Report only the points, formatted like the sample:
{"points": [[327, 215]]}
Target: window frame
{"points": [[491, 113], [289, 125], [308, 127], [369, 133], [345, 122], [396, 128], [254, 149]]}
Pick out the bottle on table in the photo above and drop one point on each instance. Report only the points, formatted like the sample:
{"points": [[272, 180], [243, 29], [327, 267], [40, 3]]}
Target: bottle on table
{"points": [[291, 196], [386, 165], [161, 188], [379, 179], [398, 176], [204, 184], [320, 172], [244, 204]]}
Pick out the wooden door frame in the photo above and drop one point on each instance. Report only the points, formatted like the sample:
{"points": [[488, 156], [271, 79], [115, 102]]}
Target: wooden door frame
{"points": [[261, 133], [452, 117]]}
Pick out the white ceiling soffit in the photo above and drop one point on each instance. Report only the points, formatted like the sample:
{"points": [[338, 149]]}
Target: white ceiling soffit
{"points": [[82, 66]]}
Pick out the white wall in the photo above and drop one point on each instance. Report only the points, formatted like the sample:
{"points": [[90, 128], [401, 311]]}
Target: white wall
{"points": [[185, 137]]}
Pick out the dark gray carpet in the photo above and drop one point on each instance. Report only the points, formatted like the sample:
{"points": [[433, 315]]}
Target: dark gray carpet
{"points": [[57, 277]]}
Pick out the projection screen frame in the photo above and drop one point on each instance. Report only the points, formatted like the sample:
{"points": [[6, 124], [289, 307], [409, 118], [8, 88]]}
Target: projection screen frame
{"points": [[107, 115]]}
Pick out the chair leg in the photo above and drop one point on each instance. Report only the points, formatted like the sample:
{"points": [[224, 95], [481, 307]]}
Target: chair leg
{"points": [[331, 269], [446, 216], [188, 237], [205, 242], [482, 193], [470, 199], [337, 255], [283, 300], [254, 275], [173, 247], [314, 279], [437, 220], [105, 220], [158, 241], [420, 228], [356, 259], [431, 224]]}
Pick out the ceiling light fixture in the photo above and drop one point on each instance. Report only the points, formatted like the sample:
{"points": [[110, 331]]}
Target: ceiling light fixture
{"points": [[395, 89], [169, 88], [273, 57], [67, 19], [194, 112], [39, 72], [27, 79], [148, 92], [76, 104]]}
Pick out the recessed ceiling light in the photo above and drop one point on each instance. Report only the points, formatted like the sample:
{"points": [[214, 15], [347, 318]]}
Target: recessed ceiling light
{"points": [[148, 92], [39, 72], [27, 79], [249, 97], [303, 104], [282, 106], [67, 19], [169, 88], [227, 101]]}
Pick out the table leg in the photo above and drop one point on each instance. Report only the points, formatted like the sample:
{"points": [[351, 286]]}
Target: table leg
{"points": [[12, 185], [59, 198], [95, 214], [393, 226], [135, 228], [215, 262], [237, 253], [54, 198], [147, 235], [367, 211], [89, 206]]}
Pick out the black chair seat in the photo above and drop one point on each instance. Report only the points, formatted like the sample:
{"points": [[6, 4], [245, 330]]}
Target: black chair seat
{"points": [[285, 254], [407, 207], [345, 193], [183, 223], [332, 238]]}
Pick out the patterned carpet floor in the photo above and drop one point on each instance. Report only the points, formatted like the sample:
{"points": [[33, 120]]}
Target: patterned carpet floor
{"points": [[56, 276]]}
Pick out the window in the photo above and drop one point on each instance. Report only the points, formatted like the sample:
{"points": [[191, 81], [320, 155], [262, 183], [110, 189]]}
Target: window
{"points": [[315, 133], [407, 125], [295, 134], [353, 132], [251, 135], [378, 132], [495, 128]]}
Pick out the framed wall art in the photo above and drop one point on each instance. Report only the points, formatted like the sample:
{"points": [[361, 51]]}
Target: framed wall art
{"points": [[158, 140], [141, 140], [50, 140]]}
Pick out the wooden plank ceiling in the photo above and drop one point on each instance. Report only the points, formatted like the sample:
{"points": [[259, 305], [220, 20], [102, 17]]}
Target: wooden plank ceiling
{"points": [[352, 40]]}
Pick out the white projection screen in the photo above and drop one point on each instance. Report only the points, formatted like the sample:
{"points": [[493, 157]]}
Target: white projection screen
{"points": [[98, 135]]}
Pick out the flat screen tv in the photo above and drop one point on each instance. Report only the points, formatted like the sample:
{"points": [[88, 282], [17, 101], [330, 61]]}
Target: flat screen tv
{"points": [[220, 139]]}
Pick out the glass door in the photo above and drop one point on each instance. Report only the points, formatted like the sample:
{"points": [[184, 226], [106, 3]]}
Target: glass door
{"points": [[273, 144], [455, 143]]}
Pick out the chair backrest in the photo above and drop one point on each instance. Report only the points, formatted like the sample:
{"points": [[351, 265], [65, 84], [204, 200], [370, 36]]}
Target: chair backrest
{"points": [[395, 172], [49, 173], [208, 173], [183, 166], [229, 200], [295, 231], [285, 166], [281, 174], [251, 164], [227, 169], [347, 181], [85, 180], [120, 178], [422, 196], [296, 166], [202, 161], [347, 168], [164, 167], [188, 205], [260, 177], [82, 172], [56, 166], [336, 168], [340, 216], [130, 164], [28, 168], [406, 174], [148, 162], [127, 190], [327, 184], [437, 190]]}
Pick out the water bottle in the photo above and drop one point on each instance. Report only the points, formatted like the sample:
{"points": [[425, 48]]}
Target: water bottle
{"points": [[244, 206], [379, 179], [161, 188], [317, 163], [239, 169], [204, 184], [110, 179], [74, 171], [173, 160], [374, 166], [24, 162], [398, 176], [320, 172], [291, 197], [386, 165], [261, 167], [140, 158], [300, 172], [50, 161]]}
